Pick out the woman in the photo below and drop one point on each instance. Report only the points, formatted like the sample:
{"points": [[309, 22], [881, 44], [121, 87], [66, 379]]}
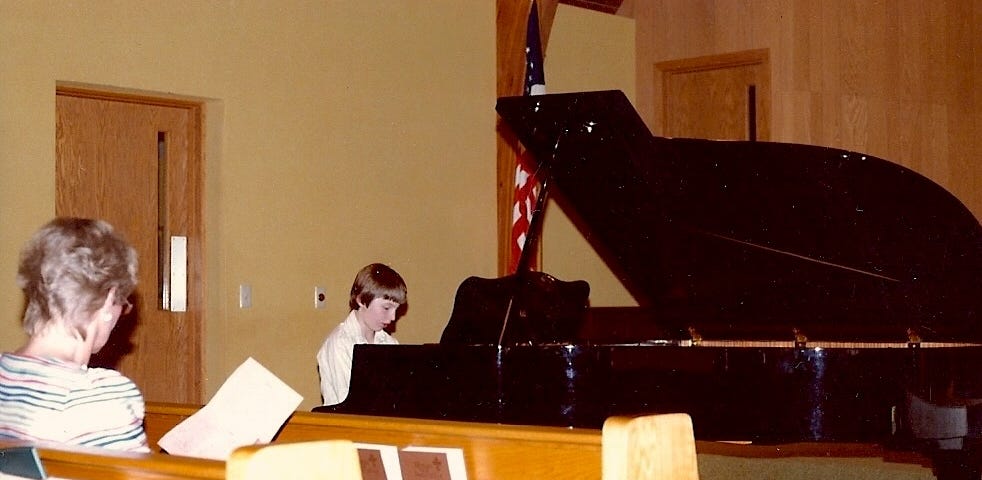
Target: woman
{"points": [[76, 275]]}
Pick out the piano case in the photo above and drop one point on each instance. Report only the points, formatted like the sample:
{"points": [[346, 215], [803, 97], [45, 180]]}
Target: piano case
{"points": [[785, 293]]}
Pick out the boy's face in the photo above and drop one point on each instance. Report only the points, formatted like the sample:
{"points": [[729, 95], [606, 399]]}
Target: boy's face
{"points": [[378, 314]]}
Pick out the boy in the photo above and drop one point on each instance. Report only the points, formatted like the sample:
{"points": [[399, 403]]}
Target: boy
{"points": [[378, 295]]}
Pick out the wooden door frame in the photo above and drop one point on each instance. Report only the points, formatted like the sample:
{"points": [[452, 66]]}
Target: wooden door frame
{"points": [[195, 231], [664, 71]]}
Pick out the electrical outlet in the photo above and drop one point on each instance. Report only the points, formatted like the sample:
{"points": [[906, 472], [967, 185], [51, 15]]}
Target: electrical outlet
{"points": [[320, 297]]}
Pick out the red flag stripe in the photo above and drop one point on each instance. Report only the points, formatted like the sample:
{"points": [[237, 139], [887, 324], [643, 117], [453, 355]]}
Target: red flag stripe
{"points": [[526, 185]]}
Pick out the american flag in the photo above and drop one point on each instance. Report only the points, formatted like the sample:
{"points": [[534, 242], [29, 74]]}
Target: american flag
{"points": [[526, 185]]}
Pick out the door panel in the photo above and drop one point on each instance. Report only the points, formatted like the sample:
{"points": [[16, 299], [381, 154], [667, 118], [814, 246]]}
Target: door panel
{"points": [[722, 97], [136, 164]]}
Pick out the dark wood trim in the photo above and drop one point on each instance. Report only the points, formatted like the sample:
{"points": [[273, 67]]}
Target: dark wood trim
{"points": [[612, 7]]}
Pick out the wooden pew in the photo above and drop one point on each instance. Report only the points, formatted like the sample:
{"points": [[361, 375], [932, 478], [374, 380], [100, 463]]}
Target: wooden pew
{"points": [[490, 450], [306, 461], [650, 447], [508, 451], [79, 463], [313, 460]]}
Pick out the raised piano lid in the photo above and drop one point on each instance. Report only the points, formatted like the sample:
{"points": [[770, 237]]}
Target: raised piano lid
{"points": [[753, 240]]}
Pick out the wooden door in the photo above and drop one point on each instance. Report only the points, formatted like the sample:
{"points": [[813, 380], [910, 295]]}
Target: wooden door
{"points": [[135, 162], [720, 97]]}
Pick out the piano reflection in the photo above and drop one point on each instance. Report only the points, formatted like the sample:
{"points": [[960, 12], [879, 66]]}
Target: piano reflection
{"points": [[786, 293]]}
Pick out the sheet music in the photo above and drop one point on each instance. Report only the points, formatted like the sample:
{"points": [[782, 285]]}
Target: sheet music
{"points": [[248, 409]]}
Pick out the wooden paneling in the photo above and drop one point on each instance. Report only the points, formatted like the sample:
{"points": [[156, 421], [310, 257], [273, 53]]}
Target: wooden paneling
{"points": [[710, 97], [897, 79]]}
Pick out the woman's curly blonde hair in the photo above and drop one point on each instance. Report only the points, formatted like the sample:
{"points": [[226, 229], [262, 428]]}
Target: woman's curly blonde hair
{"points": [[69, 266]]}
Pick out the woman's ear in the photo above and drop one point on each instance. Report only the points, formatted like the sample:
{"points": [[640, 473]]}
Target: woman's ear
{"points": [[105, 312]]}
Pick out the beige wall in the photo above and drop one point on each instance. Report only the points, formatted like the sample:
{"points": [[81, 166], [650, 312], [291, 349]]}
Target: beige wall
{"points": [[587, 51], [346, 133], [338, 134]]}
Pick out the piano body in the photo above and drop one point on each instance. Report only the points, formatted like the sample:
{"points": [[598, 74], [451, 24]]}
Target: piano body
{"points": [[786, 293]]}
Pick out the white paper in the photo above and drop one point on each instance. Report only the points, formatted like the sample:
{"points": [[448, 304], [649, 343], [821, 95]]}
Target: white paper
{"points": [[249, 408]]}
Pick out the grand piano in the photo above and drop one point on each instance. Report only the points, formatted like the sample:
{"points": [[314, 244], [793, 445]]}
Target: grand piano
{"points": [[786, 293]]}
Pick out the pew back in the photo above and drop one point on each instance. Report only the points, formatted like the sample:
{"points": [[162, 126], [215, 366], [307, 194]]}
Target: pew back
{"points": [[490, 450], [504, 451], [649, 447], [80, 463], [315, 460]]}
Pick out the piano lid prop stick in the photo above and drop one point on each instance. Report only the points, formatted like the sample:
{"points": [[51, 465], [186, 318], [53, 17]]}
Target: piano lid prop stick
{"points": [[524, 260], [504, 324], [534, 225]]}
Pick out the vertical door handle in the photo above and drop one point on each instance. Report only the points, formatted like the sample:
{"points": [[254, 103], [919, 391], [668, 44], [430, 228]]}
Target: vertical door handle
{"points": [[178, 274]]}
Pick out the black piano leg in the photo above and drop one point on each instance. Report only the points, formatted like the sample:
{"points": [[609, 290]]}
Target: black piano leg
{"points": [[957, 464]]}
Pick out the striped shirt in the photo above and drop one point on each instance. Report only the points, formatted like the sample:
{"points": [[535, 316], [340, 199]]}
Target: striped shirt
{"points": [[47, 400]]}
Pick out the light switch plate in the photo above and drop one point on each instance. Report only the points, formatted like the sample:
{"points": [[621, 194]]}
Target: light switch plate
{"points": [[245, 295]]}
